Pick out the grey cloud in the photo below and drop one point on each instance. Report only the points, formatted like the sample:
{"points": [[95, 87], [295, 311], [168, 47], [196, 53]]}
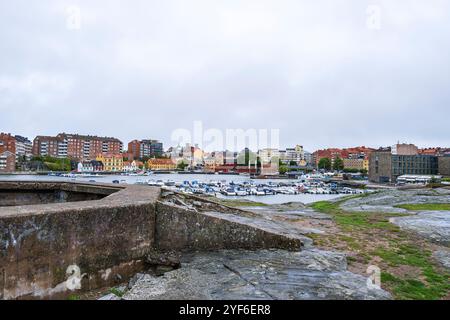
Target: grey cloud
{"points": [[145, 68]]}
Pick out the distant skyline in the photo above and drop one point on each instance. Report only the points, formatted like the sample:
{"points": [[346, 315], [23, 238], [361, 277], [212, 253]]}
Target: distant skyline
{"points": [[325, 73]]}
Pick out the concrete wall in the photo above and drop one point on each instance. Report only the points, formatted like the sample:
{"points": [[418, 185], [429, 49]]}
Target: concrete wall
{"points": [[52, 250], [183, 229]]}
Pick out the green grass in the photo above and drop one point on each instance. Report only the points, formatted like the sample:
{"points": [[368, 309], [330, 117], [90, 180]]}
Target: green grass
{"points": [[348, 220], [73, 297], [425, 206], [432, 284], [117, 292]]}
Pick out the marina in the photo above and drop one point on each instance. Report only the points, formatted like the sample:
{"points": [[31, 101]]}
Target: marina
{"points": [[306, 189]]}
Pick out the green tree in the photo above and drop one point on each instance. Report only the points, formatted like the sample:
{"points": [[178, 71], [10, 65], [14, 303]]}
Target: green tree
{"points": [[283, 169], [182, 165], [325, 163], [338, 164]]}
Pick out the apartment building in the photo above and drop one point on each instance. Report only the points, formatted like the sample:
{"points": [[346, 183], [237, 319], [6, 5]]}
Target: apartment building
{"points": [[75, 146], [145, 148], [24, 147]]}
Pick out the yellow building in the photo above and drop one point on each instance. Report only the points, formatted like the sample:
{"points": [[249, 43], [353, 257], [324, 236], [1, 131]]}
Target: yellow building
{"points": [[111, 162], [355, 164], [161, 164], [366, 164]]}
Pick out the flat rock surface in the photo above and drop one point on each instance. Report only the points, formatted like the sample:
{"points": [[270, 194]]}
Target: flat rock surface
{"points": [[385, 201], [443, 257], [433, 225], [264, 274]]}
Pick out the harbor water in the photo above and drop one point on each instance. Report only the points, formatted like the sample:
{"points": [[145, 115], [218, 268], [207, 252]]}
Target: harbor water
{"points": [[179, 178]]}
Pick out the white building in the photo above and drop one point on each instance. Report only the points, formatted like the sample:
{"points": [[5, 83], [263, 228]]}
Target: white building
{"points": [[23, 147], [266, 155], [131, 166], [418, 179], [296, 154]]}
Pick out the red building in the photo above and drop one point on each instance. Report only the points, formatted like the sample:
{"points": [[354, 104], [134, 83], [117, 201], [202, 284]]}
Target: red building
{"points": [[7, 152], [347, 153], [46, 146], [331, 153], [7, 143], [7, 161], [134, 149], [75, 146]]}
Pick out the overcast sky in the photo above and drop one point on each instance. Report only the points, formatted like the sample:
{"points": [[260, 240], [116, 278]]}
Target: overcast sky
{"points": [[324, 72]]}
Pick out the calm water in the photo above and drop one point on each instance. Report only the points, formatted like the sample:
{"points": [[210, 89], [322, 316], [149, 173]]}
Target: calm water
{"points": [[270, 199]]}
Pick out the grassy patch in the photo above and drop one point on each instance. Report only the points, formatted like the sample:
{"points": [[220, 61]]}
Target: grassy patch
{"points": [[415, 289], [117, 292], [349, 220], [425, 206], [73, 297], [371, 237]]}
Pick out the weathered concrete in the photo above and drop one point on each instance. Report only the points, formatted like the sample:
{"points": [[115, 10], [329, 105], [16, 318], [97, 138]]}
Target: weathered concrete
{"points": [[92, 243], [27, 193], [51, 250]]}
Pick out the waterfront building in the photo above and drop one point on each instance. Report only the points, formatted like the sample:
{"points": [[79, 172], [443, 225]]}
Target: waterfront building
{"points": [[418, 179], [385, 166], [111, 162], [161, 164], [75, 146], [132, 166], [7, 162], [90, 166]]}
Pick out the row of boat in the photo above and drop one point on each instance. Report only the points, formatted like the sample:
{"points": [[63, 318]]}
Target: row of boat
{"points": [[250, 188]]}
